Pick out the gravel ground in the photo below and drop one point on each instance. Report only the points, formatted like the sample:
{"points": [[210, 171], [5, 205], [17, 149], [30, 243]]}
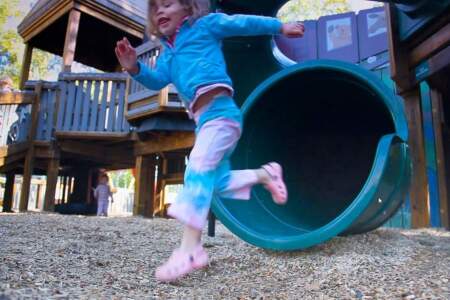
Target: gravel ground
{"points": [[49, 256]]}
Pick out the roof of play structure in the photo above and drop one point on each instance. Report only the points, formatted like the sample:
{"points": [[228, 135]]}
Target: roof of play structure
{"points": [[102, 22]]}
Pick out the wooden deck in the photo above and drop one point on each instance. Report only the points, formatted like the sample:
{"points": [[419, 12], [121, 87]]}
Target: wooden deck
{"points": [[71, 128]]}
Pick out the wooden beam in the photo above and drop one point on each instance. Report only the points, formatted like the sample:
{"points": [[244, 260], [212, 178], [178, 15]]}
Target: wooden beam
{"points": [[29, 159], [13, 149], [438, 123], [9, 192], [144, 186], [97, 152], [26, 64], [164, 142], [25, 97], [419, 184], [93, 135], [52, 180], [70, 42], [431, 45], [400, 71]]}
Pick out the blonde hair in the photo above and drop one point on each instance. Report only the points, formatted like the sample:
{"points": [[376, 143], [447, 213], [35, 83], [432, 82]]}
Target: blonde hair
{"points": [[196, 9]]}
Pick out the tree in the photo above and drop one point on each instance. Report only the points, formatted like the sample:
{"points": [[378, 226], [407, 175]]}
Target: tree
{"points": [[43, 64], [299, 10]]}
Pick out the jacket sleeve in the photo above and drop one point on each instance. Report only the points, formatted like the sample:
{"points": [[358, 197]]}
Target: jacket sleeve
{"points": [[223, 25], [153, 79]]}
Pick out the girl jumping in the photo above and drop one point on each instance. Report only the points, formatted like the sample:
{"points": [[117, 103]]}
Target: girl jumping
{"points": [[192, 60]]}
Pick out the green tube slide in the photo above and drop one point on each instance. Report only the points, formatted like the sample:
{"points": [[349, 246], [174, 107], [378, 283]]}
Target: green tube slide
{"points": [[340, 135]]}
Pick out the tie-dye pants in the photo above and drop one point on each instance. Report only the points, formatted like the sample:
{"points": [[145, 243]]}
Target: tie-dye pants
{"points": [[208, 172]]}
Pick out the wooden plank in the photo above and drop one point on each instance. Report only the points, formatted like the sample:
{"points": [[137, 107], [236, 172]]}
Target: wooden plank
{"points": [[94, 107], [9, 192], [42, 114], [70, 42], [93, 76], [418, 191], [51, 116], [165, 142], [101, 120], [144, 186], [78, 102], [70, 103], [120, 113], [29, 159], [431, 45], [438, 123], [52, 180], [63, 98], [26, 64], [23, 97], [112, 107], [86, 104]]}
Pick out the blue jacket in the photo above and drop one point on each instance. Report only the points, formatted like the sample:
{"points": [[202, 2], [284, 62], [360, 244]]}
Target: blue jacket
{"points": [[196, 58]]}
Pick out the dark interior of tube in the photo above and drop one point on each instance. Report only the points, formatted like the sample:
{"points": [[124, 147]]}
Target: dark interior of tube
{"points": [[323, 127]]}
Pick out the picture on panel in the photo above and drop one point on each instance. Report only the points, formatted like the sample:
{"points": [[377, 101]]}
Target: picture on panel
{"points": [[339, 33], [376, 23]]}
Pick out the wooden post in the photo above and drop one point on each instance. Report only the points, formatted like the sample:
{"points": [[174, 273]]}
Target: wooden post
{"points": [[26, 64], [419, 185], [52, 181], [144, 186], [70, 42], [29, 158], [438, 121], [9, 192]]}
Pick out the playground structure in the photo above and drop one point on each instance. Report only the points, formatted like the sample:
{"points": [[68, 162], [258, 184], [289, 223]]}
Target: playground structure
{"points": [[341, 179]]}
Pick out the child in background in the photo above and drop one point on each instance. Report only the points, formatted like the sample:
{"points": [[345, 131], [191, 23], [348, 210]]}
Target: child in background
{"points": [[193, 61], [102, 193], [6, 84]]}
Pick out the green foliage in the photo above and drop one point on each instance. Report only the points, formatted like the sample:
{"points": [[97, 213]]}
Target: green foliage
{"points": [[299, 10], [121, 179], [43, 64]]}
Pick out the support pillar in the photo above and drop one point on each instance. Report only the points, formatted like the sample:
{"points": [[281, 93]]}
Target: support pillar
{"points": [[29, 158], [419, 184], [26, 64], [70, 42], [52, 181], [9, 192], [144, 186]]}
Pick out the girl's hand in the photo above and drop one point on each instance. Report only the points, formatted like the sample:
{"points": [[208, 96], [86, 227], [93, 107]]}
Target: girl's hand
{"points": [[293, 29], [127, 56]]}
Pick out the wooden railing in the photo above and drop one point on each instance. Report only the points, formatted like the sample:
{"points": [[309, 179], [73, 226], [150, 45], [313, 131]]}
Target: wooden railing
{"points": [[142, 102], [48, 103], [92, 102], [15, 116]]}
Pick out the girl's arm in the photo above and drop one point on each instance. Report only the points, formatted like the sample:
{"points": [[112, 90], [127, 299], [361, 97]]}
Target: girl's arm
{"points": [[223, 26], [154, 79]]}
